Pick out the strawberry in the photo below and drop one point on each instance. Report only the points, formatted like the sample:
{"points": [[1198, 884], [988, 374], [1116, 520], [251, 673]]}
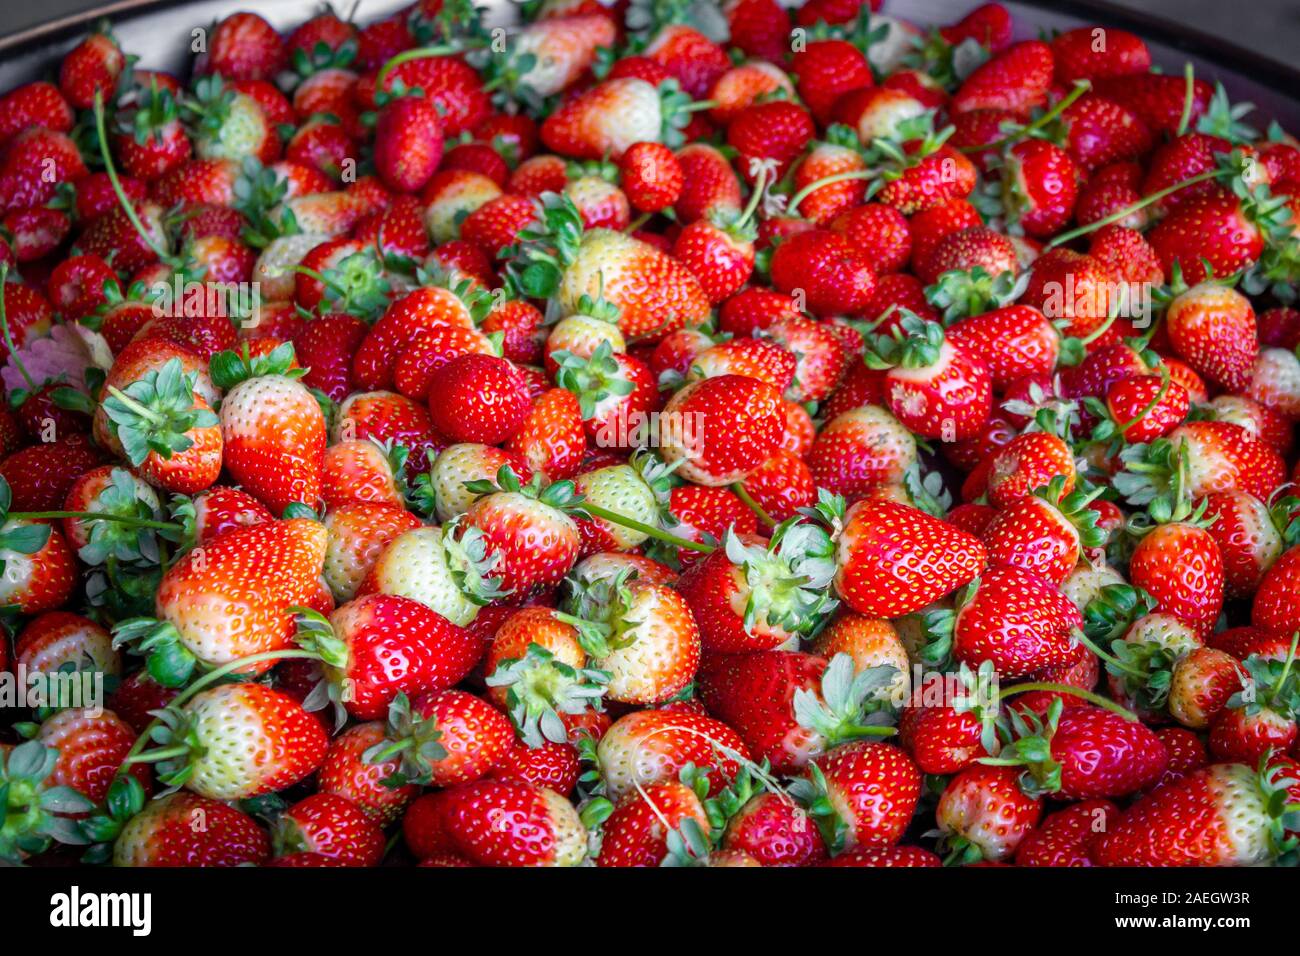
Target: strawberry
{"points": [[1179, 565], [55, 639], [1077, 57], [654, 746], [238, 741], [91, 67], [527, 529], [1083, 753], [1064, 838], [1017, 79], [369, 661], [272, 428], [860, 450], [1278, 595], [34, 104], [873, 579], [1027, 462], [331, 826], [709, 184], [1014, 341], [1040, 187], [230, 124], [984, 815], [229, 599], [408, 143], [446, 738], [790, 707], [777, 582], [1201, 684], [446, 573], [500, 823], [345, 773], [654, 293], [1045, 533], [243, 47], [640, 634], [614, 114], [1017, 619], [781, 486], [164, 833], [651, 176], [1222, 815], [775, 831], [861, 794], [1212, 327], [833, 276], [39, 477], [358, 534], [728, 426], [935, 388], [648, 825]]}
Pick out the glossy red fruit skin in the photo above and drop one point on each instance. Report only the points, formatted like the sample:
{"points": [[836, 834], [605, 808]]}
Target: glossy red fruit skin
{"points": [[885, 856], [398, 646], [1019, 620], [877, 786], [330, 826], [1065, 837], [1105, 755], [478, 398], [894, 559], [835, 278], [1180, 566], [776, 832]]}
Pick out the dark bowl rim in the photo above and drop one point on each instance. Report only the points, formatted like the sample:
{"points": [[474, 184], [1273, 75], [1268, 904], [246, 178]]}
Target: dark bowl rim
{"points": [[1279, 76]]}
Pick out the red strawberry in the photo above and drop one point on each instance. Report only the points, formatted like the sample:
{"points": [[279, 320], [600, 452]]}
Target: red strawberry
{"points": [[164, 833], [984, 815], [863, 794], [1065, 837], [791, 707], [1212, 327], [1090, 752], [381, 645], [935, 388], [500, 823], [894, 559], [272, 428], [331, 826], [833, 276], [1222, 815], [1018, 620], [1017, 79], [641, 829], [726, 427]]}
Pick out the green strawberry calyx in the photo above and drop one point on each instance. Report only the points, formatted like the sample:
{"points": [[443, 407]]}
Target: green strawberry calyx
{"points": [[540, 688]]}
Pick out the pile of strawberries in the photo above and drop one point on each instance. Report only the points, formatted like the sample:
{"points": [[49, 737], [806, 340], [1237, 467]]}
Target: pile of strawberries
{"points": [[654, 433]]}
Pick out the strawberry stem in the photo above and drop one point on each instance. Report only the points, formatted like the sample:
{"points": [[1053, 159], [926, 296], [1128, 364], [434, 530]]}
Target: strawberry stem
{"points": [[97, 516], [1286, 668], [116, 183], [1165, 382], [1080, 87], [143, 411], [740, 492], [1132, 208], [1108, 658], [406, 56], [211, 677], [1189, 97], [1089, 696], [596, 511], [817, 184], [4, 326]]}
